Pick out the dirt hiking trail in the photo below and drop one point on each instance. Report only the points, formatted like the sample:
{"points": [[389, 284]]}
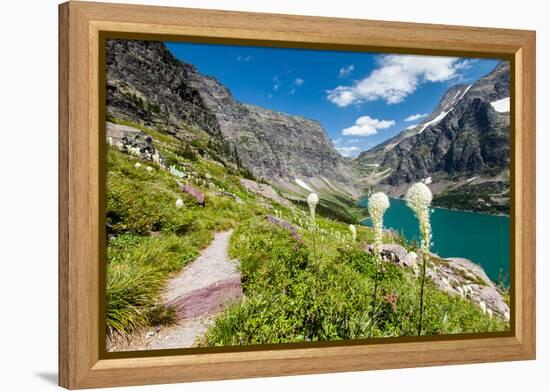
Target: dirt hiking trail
{"points": [[197, 293]]}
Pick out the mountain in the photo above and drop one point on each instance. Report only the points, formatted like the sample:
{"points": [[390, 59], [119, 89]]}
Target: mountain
{"points": [[146, 84], [462, 148]]}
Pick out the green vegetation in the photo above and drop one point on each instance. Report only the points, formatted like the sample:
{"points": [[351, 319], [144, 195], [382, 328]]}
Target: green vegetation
{"points": [[488, 197], [290, 297], [291, 294], [329, 210], [149, 238]]}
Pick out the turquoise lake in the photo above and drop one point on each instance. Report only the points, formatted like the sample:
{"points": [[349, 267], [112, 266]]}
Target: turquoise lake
{"points": [[482, 238]]}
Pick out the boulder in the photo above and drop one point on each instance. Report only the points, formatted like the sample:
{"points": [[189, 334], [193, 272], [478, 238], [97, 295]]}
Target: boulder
{"points": [[393, 253], [469, 267], [285, 225], [129, 137], [237, 199], [195, 193], [263, 190]]}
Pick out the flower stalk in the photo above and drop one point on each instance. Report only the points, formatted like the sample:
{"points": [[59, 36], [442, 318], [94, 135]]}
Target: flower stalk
{"points": [[377, 206], [419, 198], [312, 201], [353, 231]]}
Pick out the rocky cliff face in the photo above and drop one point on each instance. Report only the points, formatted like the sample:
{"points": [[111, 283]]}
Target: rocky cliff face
{"points": [[146, 84], [464, 141]]}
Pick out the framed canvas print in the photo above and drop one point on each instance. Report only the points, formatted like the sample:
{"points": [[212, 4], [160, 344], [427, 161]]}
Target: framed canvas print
{"points": [[248, 195]]}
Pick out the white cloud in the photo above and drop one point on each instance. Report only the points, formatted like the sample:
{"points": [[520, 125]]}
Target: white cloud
{"points": [[292, 91], [411, 127], [396, 77], [276, 83], [346, 71], [348, 151], [415, 117], [245, 58], [299, 82], [366, 126]]}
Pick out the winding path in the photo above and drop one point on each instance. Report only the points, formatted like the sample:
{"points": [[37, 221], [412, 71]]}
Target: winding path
{"points": [[198, 293]]}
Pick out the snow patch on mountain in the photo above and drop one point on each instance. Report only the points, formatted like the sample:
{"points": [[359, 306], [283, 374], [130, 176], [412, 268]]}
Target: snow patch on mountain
{"points": [[502, 105], [302, 184], [435, 120]]}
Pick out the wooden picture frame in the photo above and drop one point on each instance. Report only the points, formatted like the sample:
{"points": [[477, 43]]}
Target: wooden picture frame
{"points": [[82, 27]]}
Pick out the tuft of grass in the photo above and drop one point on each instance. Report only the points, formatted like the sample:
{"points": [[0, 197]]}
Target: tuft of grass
{"points": [[137, 270]]}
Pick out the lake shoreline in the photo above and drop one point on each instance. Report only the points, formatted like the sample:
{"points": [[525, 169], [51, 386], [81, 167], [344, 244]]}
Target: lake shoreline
{"points": [[440, 207]]}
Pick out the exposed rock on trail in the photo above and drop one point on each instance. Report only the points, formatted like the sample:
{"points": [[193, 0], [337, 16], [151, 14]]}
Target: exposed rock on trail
{"points": [[208, 283]]}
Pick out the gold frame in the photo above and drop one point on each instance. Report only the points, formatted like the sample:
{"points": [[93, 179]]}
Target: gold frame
{"points": [[83, 27]]}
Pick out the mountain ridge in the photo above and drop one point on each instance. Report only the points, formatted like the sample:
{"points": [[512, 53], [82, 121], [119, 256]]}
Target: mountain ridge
{"points": [[463, 143]]}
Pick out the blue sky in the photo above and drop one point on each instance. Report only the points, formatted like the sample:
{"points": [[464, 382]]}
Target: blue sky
{"points": [[361, 99]]}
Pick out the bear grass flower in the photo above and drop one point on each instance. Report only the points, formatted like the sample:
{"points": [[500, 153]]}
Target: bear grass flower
{"points": [[377, 206], [419, 198], [353, 231], [179, 203], [312, 201], [137, 165], [483, 307]]}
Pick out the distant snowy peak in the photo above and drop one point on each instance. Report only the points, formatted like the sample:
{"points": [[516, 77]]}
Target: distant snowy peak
{"points": [[501, 105]]}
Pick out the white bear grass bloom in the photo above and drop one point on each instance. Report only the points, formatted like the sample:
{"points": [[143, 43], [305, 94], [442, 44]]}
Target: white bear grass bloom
{"points": [[377, 206], [179, 203], [419, 198], [353, 231], [137, 165], [312, 201], [412, 257], [149, 169], [483, 307]]}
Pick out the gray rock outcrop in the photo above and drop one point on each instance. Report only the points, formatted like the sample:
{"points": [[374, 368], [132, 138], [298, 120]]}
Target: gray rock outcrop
{"points": [[456, 276], [263, 190]]}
